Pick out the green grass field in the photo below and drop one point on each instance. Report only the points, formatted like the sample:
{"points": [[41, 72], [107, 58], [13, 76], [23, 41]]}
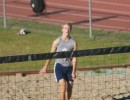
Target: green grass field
{"points": [[42, 36]]}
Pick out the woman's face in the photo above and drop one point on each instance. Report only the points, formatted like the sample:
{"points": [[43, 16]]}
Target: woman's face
{"points": [[66, 30]]}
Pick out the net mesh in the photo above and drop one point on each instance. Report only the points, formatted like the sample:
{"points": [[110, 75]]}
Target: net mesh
{"points": [[93, 84]]}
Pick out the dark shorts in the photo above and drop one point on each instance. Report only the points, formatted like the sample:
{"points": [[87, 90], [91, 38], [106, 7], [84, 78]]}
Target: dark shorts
{"points": [[62, 72]]}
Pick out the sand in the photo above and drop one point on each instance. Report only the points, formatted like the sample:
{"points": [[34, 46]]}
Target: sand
{"points": [[86, 87]]}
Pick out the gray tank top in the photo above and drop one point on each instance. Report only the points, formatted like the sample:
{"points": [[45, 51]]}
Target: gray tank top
{"points": [[65, 46]]}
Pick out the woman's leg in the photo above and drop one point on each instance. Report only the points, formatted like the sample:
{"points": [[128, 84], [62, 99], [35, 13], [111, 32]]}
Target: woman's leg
{"points": [[69, 87], [62, 84]]}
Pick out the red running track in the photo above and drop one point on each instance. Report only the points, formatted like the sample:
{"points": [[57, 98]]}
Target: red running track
{"points": [[110, 15]]}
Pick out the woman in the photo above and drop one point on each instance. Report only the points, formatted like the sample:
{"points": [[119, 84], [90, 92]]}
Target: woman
{"points": [[64, 68]]}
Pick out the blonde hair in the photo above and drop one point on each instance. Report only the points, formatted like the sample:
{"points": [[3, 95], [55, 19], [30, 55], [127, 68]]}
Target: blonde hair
{"points": [[69, 24]]}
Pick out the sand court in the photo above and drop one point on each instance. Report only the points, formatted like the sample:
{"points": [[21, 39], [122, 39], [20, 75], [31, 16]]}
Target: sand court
{"points": [[86, 87]]}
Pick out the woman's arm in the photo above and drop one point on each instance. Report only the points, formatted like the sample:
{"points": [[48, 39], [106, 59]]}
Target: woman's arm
{"points": [[74, 62], [53, 49]]}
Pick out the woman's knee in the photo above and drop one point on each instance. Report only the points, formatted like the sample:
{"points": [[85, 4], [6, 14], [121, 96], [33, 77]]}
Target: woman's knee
{"points": [[62, 82]]}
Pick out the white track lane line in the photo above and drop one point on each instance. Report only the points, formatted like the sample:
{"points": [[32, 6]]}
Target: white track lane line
{"points": [[55, 20], [115, 4], [112, 28], [74, 14], [64, 21], [76, 7], [95, 9], [105, 2]]}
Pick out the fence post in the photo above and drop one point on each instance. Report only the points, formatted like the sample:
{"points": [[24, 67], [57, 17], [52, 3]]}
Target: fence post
{"points": [[4, 13], [90, 19]]}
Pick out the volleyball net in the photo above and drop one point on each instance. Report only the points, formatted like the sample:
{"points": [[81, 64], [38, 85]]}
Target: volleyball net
{"points": [[94, 82]]}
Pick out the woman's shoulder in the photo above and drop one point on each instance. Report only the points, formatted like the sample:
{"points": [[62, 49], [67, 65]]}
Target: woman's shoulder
{"points": [[72, 40], [57, 40]]}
